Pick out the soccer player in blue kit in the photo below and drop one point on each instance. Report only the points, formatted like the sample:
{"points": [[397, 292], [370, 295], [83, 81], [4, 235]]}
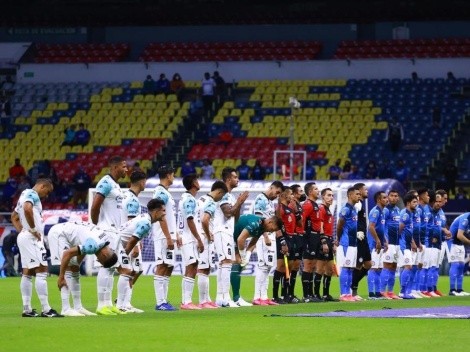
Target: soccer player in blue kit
{"points": [[459, 228]]}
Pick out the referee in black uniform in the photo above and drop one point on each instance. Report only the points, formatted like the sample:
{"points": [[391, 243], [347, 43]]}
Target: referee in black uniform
{"points": [[363, 252]]}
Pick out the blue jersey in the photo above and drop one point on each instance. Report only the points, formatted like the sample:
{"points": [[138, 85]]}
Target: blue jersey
{"points": [[416, 224], [423, 228], [434, 226], [349, 234], [392, 220], [460, 223], [376, 217], [406, 218], [444, 224]]}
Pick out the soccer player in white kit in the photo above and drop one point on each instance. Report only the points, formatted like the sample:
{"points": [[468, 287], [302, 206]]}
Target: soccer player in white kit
{"points": [[207, 205], [27, 220], [130, 234], [69, 242], [189, 239], [226, 213], [133, 208], [164, 233], [107, 213]]}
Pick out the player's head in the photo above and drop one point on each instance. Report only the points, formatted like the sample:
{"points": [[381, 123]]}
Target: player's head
{"points": [[410, 200], [311, 190], [298, 192], [106, 257], [413, 192], [393, 197], [423, 194], [218, 190], [361, 187], [117, 167], [272, 224], [380, 198], [43, 187], [166, 172], [191, 182], [286, 196], [353, 195], [327, 196], [435, 201], [156, 209], [230, 177], [274, 190], [138, 178], [444, 196]]}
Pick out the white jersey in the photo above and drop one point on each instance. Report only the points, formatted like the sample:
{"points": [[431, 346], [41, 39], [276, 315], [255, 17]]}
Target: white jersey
{"points": [[187, 209], [139, 227], [31, 196], [88, 237], [207, 205], [221, 223], [111, 212], [170, 217], [131, 205], [263, 206]]}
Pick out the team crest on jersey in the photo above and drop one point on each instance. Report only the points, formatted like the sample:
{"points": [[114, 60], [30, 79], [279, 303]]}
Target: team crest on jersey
{"points": [[407, 260], [348, 262]]}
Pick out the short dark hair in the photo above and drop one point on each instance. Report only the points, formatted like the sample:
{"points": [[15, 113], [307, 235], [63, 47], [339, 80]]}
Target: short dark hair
{"points": [[155, 203], [188, 181], [137, 176], [408, 197], [108, 263], [278, 184], [44, 181], [227, 172], [359, 185], [165, 170], [432, 196], [393, 191], [377, 195], [422, 190], [308, 186], [116, 159], [324, 190], [295, 187], [219, 185], [441, 192], [351, 190]]}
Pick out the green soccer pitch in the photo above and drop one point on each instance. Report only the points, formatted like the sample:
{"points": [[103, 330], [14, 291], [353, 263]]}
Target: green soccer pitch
{"points": [[227, 329]]}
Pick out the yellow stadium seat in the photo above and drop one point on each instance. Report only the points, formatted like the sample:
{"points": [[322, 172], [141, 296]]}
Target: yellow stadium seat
{"points": [[160, 97], [150, 98], [105, 98], [95, 106], [137, 84]]}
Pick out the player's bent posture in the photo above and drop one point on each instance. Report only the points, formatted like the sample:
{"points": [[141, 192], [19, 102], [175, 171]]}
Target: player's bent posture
{"points": [[69, 242], [265, 248], [189, 239], [459, 229], [27, 220], [392, 251], [346, 232], [164, 233], [207, 204], [130, 233], [226, 213], [107, 213], [377, 244], [407, 243], [133, 208]]}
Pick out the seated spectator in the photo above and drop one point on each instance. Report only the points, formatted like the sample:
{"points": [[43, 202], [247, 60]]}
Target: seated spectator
{"points": [[335, 170], [225, 137], [162, 86], [385, 170], [207, 170], [219, 84], [258, 173], [17, 170], [81, 182], [35, 172], [355, 174], [69, 138], [62, 192], [149, 86], [310, 171], [187, 168], [82, 136], [9, 192], [345, 171], [371, 170], [243, 170], [47, 170], [401, 173], [461, 194], [176, 84]]}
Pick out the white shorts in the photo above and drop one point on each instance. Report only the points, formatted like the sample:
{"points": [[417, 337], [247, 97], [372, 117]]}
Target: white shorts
{"points": [[406, 258], [136, 262], [377, 259], [266, 254], [124, 260], [443, 252], [346, 259], [162, 254], [33, 252], [58, 245], [414, 257], [421, 255], [457, 254], [208, 257], [432, 257], [392, 254], [224, 245], [189, 253]]}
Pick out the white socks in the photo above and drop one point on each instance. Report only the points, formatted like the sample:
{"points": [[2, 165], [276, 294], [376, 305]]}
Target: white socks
{"points": [[65, 291], [159, 286], [203, 288], [187, 286], [76, 289], [225, 270], [41, 289], [104, 294], [123, 287], [26, 288]]}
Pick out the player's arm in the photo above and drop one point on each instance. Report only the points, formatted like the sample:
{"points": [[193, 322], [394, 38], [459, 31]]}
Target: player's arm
{"points": [[242, 239], [131, 244], [98, 200], [29, 216], [206, 218], [192, 227], [15, 219], [64, 263], [373, 232], [339, 229], [234, 210], [461, 236]]}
